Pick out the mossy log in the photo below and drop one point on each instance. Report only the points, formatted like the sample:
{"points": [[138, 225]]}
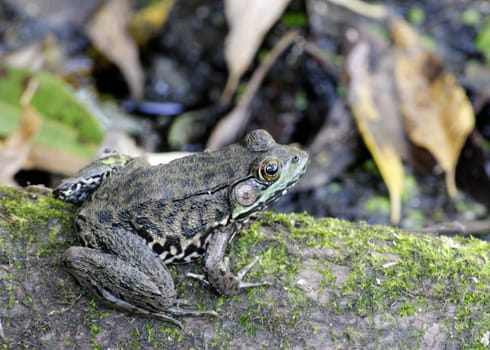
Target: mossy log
{"points": [[334, 285]]}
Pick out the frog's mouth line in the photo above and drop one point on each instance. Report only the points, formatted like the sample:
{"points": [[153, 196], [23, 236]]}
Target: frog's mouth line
{"points": [[261, 205]]}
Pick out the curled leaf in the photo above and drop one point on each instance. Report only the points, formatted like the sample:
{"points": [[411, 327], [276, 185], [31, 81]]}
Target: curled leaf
{"points": [[380, 131], [438, 115]]}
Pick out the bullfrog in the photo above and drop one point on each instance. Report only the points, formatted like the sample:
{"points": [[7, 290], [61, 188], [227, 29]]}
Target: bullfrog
{"points": [[135, 218]]}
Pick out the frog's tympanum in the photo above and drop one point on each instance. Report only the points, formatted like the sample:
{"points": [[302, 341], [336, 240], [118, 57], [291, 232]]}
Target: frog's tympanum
{"points": [[135, 218]]}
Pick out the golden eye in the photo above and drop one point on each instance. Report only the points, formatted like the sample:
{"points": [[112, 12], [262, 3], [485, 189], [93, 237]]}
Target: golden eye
{"points": [[270, 169]]}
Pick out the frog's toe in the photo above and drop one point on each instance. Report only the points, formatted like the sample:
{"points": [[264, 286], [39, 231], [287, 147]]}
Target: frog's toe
{"points": [[241, 274], [178, 311], [244, 285], [138, 310], [219, 276], [198, 277], [246, 268], [180, 302], [164, 317], [183, 311]]}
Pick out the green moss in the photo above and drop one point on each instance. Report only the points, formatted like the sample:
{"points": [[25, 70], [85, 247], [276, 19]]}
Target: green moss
{"points": [[23, 216], [25, 220], [392, 269], [94, 329], [387, 272], [172, 333]]}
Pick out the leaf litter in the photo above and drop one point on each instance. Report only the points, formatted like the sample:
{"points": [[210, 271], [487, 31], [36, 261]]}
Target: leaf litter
{"points": [[439, 128], [431, 110], [437, 114]]}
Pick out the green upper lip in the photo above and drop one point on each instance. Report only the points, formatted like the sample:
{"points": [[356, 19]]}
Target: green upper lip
{"points": [[304, 161], [294, 169]]}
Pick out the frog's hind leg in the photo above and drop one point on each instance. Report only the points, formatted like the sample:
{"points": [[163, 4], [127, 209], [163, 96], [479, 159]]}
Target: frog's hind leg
{"points": [[116, 282], [125, 273]]}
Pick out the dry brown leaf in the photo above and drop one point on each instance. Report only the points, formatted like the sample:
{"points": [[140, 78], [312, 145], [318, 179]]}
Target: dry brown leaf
{"points": [[380, 130], [249, 21], [108, 29], [437, 113], [15, 150]]}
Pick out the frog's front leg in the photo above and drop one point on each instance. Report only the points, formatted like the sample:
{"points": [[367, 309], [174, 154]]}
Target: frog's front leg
{"points": [[125, 273], [77, 188], [217, 268]]}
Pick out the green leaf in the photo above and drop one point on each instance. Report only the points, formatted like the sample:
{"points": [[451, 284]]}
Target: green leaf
{"points": [[67, 123]]}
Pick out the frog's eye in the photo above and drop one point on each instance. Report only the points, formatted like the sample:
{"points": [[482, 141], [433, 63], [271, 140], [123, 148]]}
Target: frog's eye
{"points": [[270, 169]]}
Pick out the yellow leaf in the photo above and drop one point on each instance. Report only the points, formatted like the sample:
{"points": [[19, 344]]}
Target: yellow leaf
{"points": [[380, 131], [438, 116], [148, 21]]}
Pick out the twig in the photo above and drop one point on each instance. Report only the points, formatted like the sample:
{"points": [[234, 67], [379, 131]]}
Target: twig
{"points": [[67, 308], [29, 91], [457, 228], [314, 51], [232, 125]]}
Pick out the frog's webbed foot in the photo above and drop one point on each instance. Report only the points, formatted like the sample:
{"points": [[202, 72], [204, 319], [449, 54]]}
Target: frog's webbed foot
{"points": [[219, 275], [243, 271], [225, 282], [217, 268]]}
